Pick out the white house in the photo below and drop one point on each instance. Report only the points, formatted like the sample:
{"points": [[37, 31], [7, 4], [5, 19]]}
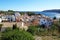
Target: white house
{"points": [[4, 18], [13, 18], [0, 20], [45, 21], [17, 14]]}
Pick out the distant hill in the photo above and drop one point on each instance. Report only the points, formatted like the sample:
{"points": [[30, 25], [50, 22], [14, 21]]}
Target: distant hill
{"points": [[54, 10]]}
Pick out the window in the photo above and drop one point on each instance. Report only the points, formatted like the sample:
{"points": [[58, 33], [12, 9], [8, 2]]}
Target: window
{"points": [[44, 20]]}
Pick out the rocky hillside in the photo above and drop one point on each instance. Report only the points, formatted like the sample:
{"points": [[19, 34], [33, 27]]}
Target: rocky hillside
{"points": [[53, 10]]}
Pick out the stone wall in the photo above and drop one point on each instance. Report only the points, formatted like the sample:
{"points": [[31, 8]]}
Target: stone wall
{"points": [[10, 24]]}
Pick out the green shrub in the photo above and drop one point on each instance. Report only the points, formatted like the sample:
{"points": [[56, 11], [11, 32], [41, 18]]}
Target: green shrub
{"points": [[8, 29], [53, 30], [1, 26], [37, 30], [53, 27], [59, 28], [42, 32], [0, 35], [17, 35], [32, 30]]}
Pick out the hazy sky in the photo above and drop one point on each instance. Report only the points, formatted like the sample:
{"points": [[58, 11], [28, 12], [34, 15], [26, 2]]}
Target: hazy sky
{"points": [[29, 5]]}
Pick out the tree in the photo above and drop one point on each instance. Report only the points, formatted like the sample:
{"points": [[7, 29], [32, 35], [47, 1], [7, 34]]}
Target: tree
{"points": [[10, 12], [54, 18], [22, 13], [30, 13], [14, 26]]}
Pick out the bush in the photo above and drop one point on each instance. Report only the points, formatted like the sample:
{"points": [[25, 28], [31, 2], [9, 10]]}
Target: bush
{"points": [[59, 28], [17, 35], [8, 29], [1, 26], [37, 30], [32, 30], [54, 18], [40, 31], [53, 27], [53, 30]]}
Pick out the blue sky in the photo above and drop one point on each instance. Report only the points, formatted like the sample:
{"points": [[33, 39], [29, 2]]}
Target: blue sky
{"points": [[29, 5]]}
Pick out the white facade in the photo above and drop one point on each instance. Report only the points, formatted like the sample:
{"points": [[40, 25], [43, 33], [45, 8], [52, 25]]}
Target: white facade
{"points": [[45, 22], [13, 18], [4, 18], [17, 14], [0, 20]]}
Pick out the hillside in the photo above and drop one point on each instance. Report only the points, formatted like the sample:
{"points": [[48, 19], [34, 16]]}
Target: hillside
{"points": [[53, 10]]}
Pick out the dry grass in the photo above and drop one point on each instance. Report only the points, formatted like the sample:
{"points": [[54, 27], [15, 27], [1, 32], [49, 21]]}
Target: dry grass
{"points": [[10, 24], [47, 37], [50, 38]]}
